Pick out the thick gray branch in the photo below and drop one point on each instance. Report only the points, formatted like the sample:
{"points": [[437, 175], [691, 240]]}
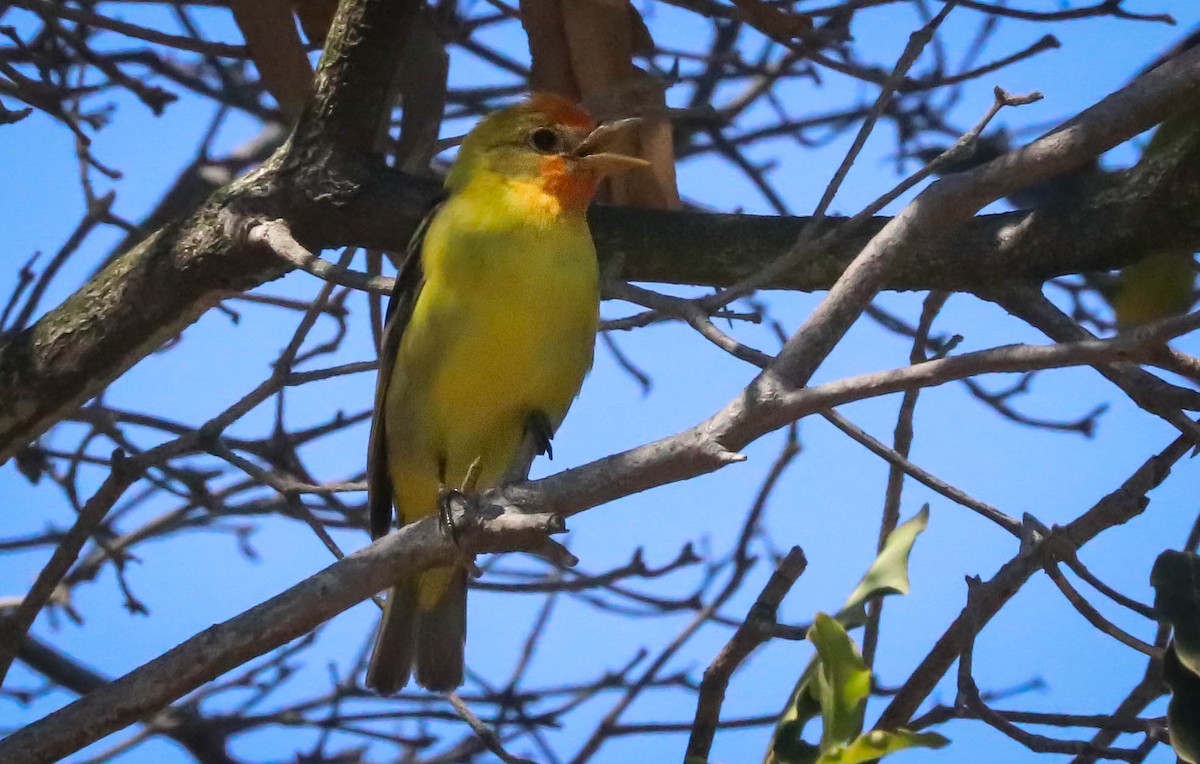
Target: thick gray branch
{"points": [[515, 518], [331, 197], [275, 622]]}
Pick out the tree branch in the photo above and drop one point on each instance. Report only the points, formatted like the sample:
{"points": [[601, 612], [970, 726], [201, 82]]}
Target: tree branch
{"points": [[151, 293], [282, 618], [1126, 502], [155, 290], [518, 518], [753, 631]]}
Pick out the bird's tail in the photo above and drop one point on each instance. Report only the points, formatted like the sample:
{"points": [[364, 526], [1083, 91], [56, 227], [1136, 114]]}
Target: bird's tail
{"points": [[424, 622]]}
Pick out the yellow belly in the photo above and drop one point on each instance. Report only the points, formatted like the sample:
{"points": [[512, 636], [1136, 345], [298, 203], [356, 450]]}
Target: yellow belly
{"points": [[1157, 287], [504, 327]]}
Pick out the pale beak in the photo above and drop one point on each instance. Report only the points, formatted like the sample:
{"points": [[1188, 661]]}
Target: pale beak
{"points": [[591, 154]]}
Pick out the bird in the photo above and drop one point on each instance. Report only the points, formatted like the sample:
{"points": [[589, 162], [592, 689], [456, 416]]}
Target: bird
{"points": [[489, 334], [1162, 283]]}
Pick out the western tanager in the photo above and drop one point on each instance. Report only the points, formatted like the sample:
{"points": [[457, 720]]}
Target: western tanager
{"points": [[489, 335], [1162, 284]]}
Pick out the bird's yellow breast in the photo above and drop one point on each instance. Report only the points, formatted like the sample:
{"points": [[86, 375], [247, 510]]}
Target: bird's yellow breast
{"points": [[504, 326]]}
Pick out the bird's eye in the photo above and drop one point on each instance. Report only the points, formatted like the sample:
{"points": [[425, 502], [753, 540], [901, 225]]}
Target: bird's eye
{"points": [[545, 140]]}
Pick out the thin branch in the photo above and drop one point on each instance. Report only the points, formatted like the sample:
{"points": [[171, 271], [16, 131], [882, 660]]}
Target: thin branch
{"points": [[753, 632], [82, 16], [289, 615], [14, 627], [902, 464], [489, 738]]}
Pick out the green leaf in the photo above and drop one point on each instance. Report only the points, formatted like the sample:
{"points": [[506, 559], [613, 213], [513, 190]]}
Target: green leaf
{"points": [[878, 743], [787, 744], [889, 573], [1183, 712], [1176, 582], [841, 682], [788, 747]]}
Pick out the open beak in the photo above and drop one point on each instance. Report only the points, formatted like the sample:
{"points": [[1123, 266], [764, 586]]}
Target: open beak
{"points": [[591, 154]]}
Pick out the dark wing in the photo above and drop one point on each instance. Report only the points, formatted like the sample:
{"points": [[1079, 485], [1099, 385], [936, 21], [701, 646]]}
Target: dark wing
{"points": [[400, 307]]}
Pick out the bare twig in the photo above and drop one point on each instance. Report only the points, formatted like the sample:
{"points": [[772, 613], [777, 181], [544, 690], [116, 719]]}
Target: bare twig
{"points": [[754, 631]]}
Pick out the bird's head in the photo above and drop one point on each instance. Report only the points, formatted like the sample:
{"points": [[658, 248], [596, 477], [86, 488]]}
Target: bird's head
{"points": [[547, 142]]}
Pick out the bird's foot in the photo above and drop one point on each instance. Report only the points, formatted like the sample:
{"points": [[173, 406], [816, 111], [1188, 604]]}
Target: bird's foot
{"points": [[450, 500], [459, 501]]}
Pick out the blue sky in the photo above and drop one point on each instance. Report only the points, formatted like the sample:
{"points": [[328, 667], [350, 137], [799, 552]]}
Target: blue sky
{"points": [[829, 502]]}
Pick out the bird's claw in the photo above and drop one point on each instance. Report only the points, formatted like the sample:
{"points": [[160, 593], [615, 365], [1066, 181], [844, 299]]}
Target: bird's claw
{"points": [[460, 500], [448, 498]]}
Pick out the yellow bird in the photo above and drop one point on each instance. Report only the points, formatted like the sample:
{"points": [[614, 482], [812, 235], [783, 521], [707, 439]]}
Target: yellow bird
{"points": [[489, 335], [1161, 284]]}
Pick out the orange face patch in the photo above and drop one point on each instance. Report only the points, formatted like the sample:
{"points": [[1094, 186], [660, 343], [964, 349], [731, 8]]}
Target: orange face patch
{"points": [[572, 190]]}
